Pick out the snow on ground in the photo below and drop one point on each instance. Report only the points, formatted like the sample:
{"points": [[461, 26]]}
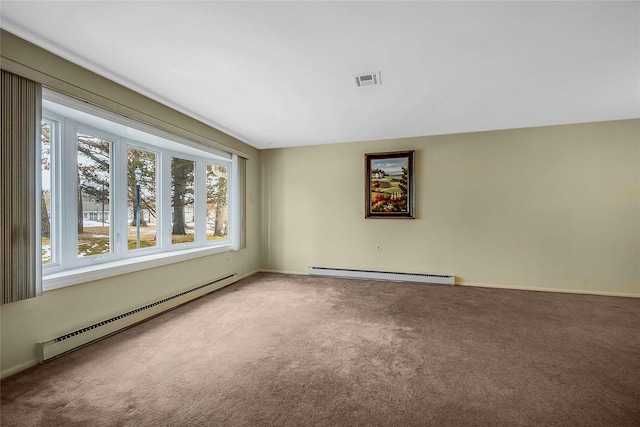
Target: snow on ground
{"points": [[92, 223], [46, 248]]}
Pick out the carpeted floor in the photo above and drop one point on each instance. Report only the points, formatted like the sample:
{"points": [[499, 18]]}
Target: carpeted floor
{"points": [[280, 350]]}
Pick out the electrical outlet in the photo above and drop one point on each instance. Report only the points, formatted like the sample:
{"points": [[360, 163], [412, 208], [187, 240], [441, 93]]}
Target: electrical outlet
{"points": [[378, 248], [227, 255]]}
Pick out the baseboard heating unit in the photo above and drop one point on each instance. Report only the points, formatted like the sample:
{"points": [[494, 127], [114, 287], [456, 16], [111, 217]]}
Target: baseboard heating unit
{"points": [[382, 275], [73, 340]]}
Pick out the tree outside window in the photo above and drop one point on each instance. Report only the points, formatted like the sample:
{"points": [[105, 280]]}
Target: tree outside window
{"points": [[182, 200], [217, 201], [94, 192], [146, 162]]}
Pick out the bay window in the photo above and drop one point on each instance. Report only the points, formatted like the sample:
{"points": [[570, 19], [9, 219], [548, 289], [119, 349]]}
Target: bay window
{"points": [[116, 193]]}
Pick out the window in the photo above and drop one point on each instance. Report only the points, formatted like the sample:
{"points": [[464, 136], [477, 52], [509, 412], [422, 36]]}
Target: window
{"points": [[115, 191], [94, 189], [182, 201], [217, 201], [142, 199], [47, 204]]}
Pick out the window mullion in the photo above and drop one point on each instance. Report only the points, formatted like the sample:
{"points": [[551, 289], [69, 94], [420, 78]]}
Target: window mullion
{"points": [[57, 204], [165, 200], [119, 196], [235, 222], [200, 206], [160, 198], [69, 197]]}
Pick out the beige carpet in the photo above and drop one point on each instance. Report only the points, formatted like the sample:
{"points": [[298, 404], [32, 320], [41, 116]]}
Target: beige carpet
{"points": [[280, 350]]}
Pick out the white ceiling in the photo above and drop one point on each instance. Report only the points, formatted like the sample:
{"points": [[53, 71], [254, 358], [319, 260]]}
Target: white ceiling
{"points": [[277, 74]]}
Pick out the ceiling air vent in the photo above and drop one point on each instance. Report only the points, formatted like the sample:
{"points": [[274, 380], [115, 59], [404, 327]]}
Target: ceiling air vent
{"points": [[369, 79]]}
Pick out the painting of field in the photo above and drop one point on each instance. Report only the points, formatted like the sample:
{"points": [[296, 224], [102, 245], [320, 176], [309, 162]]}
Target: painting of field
{"points": [[389, 184]]}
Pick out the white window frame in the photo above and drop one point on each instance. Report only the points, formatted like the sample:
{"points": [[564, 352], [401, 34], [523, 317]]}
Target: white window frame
{"points": [[69, 269], [54, 224], [134, 253], [206, 163], [70, 222], [196, 193]]}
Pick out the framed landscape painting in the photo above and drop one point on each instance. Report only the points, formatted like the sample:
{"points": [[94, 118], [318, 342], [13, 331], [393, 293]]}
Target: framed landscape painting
{"points": [[389, 191]]}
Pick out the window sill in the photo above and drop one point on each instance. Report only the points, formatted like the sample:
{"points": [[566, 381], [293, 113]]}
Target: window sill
{"points": [[87, 274]]}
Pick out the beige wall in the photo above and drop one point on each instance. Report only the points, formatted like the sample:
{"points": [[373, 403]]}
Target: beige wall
{"points": [[553, 208], [25, 323], [542, 208]]}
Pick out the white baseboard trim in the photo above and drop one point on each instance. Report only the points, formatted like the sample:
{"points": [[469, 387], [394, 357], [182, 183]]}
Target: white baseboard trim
{"points": [[18, 368], [494, 286], [90, 333], [30, 363], [556, 290], [244, 276], [297, 273]]}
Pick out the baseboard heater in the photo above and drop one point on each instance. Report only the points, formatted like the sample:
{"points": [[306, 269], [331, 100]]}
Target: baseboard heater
{"points": [[382, 275], [73, 340]]}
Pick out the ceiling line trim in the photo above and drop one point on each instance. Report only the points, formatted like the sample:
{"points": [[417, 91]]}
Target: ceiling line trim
{"points": [[85, 95]]}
